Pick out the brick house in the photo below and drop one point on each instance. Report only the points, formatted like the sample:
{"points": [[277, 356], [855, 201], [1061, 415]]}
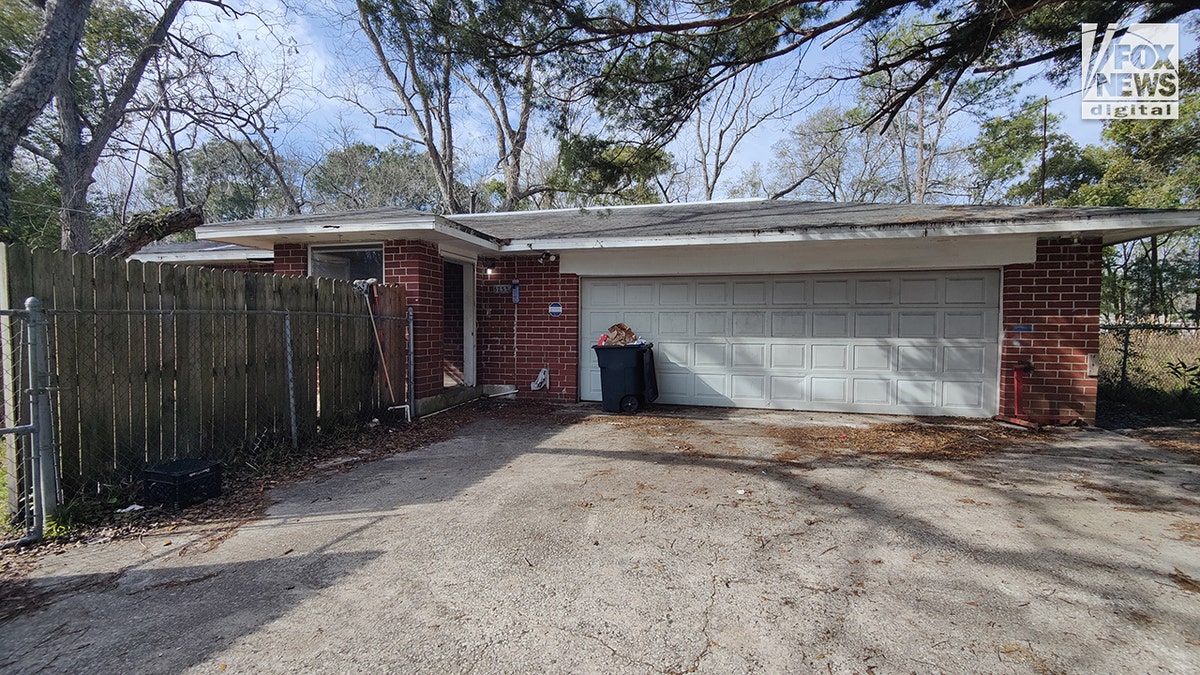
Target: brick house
{"points": [[906, 309]]}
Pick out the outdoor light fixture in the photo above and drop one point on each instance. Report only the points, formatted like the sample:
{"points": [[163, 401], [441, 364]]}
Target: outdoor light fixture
{"points": [[547, 257]]}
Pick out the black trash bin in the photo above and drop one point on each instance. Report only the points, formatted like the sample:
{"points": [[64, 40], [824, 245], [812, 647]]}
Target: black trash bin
{"points": [[627, 380]]}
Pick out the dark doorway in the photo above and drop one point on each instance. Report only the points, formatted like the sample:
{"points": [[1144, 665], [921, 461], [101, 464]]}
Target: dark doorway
{"points": [[454, 372]]}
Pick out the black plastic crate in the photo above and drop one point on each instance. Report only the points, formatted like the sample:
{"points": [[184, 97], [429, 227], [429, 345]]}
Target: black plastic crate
{"points": [[183, 482]]}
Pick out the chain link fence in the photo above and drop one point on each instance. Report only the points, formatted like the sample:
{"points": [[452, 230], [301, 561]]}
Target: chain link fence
{"points": [[28, 473], [15, 441], [1151, 365]]}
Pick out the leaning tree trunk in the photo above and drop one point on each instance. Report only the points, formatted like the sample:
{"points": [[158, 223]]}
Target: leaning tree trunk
{"points": [[145, 228], [33, 85]]}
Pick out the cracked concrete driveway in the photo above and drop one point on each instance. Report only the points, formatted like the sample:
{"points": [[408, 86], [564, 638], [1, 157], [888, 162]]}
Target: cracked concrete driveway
{"points": [[563, 540]]}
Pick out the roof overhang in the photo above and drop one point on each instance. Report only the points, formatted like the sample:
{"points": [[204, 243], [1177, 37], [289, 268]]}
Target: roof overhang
{"points": [[1110, 230], [466, 235], [206, 257], [350, 230]]}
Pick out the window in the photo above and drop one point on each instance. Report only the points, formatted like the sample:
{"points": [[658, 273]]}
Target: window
{"points": [[349, 263]]}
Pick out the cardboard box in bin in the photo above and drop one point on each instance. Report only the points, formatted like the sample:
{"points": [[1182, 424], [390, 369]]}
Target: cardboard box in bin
{"points": [[620, 335], [183, 482]]}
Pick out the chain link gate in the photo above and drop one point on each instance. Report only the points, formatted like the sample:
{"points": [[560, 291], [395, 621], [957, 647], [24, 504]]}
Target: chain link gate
{"points": [[28, 477]]}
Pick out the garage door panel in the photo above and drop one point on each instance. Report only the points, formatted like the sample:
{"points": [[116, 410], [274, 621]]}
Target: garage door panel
{"points": [[598, 322], [675, 294], [872, 357], [710, 355], [788, 324], [828, 389], [966, 291], [905, 342], [711, 386], [675, 387], [711, 323], [789, 293], [749, 324], [672, 354], [829, 357], [872, 392], [749, 293], [873, 292], [918, 325], [749, 387], [646, 322], [918, 358], [789, 389], [603, 294], [641, 294], [965, 325], [674, 323], [970, 360], [835, 292], [916, 392], [712, 293], [830, 324], [962, 394], [872, 324], [749, 356], [788, 355], [918, 291]]}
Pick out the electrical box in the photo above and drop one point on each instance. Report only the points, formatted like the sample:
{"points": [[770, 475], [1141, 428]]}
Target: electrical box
{"points": [[1093, 365]]}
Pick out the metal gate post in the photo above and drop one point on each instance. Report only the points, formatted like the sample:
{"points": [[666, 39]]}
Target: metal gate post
{"points": [[411, 385], [45, 475]]}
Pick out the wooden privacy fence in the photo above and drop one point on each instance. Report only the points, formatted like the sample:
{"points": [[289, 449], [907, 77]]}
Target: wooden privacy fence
{"points": [[155, 362]]}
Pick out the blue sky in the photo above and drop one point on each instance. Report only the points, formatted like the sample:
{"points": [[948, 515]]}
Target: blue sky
{"points": [[329, 49]]}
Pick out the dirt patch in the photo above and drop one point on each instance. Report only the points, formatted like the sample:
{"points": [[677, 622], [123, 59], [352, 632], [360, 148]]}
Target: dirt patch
{"points": [[923, 440], [1183, 439], [926, 439]]}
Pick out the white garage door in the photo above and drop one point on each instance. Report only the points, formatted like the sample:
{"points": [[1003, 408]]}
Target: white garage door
{"points": [[915, 343]]}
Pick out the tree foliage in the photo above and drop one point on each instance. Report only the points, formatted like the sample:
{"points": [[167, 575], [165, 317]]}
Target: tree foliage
{"points": [[361, 176], [594, 170], [227, 179], [649, 63]]}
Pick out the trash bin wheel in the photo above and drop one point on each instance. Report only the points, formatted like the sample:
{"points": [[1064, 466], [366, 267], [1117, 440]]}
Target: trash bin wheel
{"points": [[630, 404]]}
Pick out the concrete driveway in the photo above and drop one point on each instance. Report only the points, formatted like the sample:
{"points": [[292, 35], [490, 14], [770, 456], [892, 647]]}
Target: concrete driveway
{"points": [[564, 540]]}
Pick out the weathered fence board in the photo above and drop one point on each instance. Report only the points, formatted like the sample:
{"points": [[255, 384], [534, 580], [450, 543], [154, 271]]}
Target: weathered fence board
{"points": [[154, 362], [154, 417], [67, 376]]}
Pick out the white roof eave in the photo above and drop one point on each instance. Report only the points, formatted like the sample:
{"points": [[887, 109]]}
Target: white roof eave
{"points": [[1111, 230], [433, 228]]}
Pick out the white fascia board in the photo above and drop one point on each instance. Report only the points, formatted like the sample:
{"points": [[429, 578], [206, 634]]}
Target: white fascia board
{"points": [[1097, 226], [433, 228], [196, 257], [277, 231], [448, 229]]}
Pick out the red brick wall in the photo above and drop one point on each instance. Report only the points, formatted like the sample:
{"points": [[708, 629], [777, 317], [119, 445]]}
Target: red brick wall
{"points": [[417, 266], [1058, 296], [543, 341], [291, 260]]}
